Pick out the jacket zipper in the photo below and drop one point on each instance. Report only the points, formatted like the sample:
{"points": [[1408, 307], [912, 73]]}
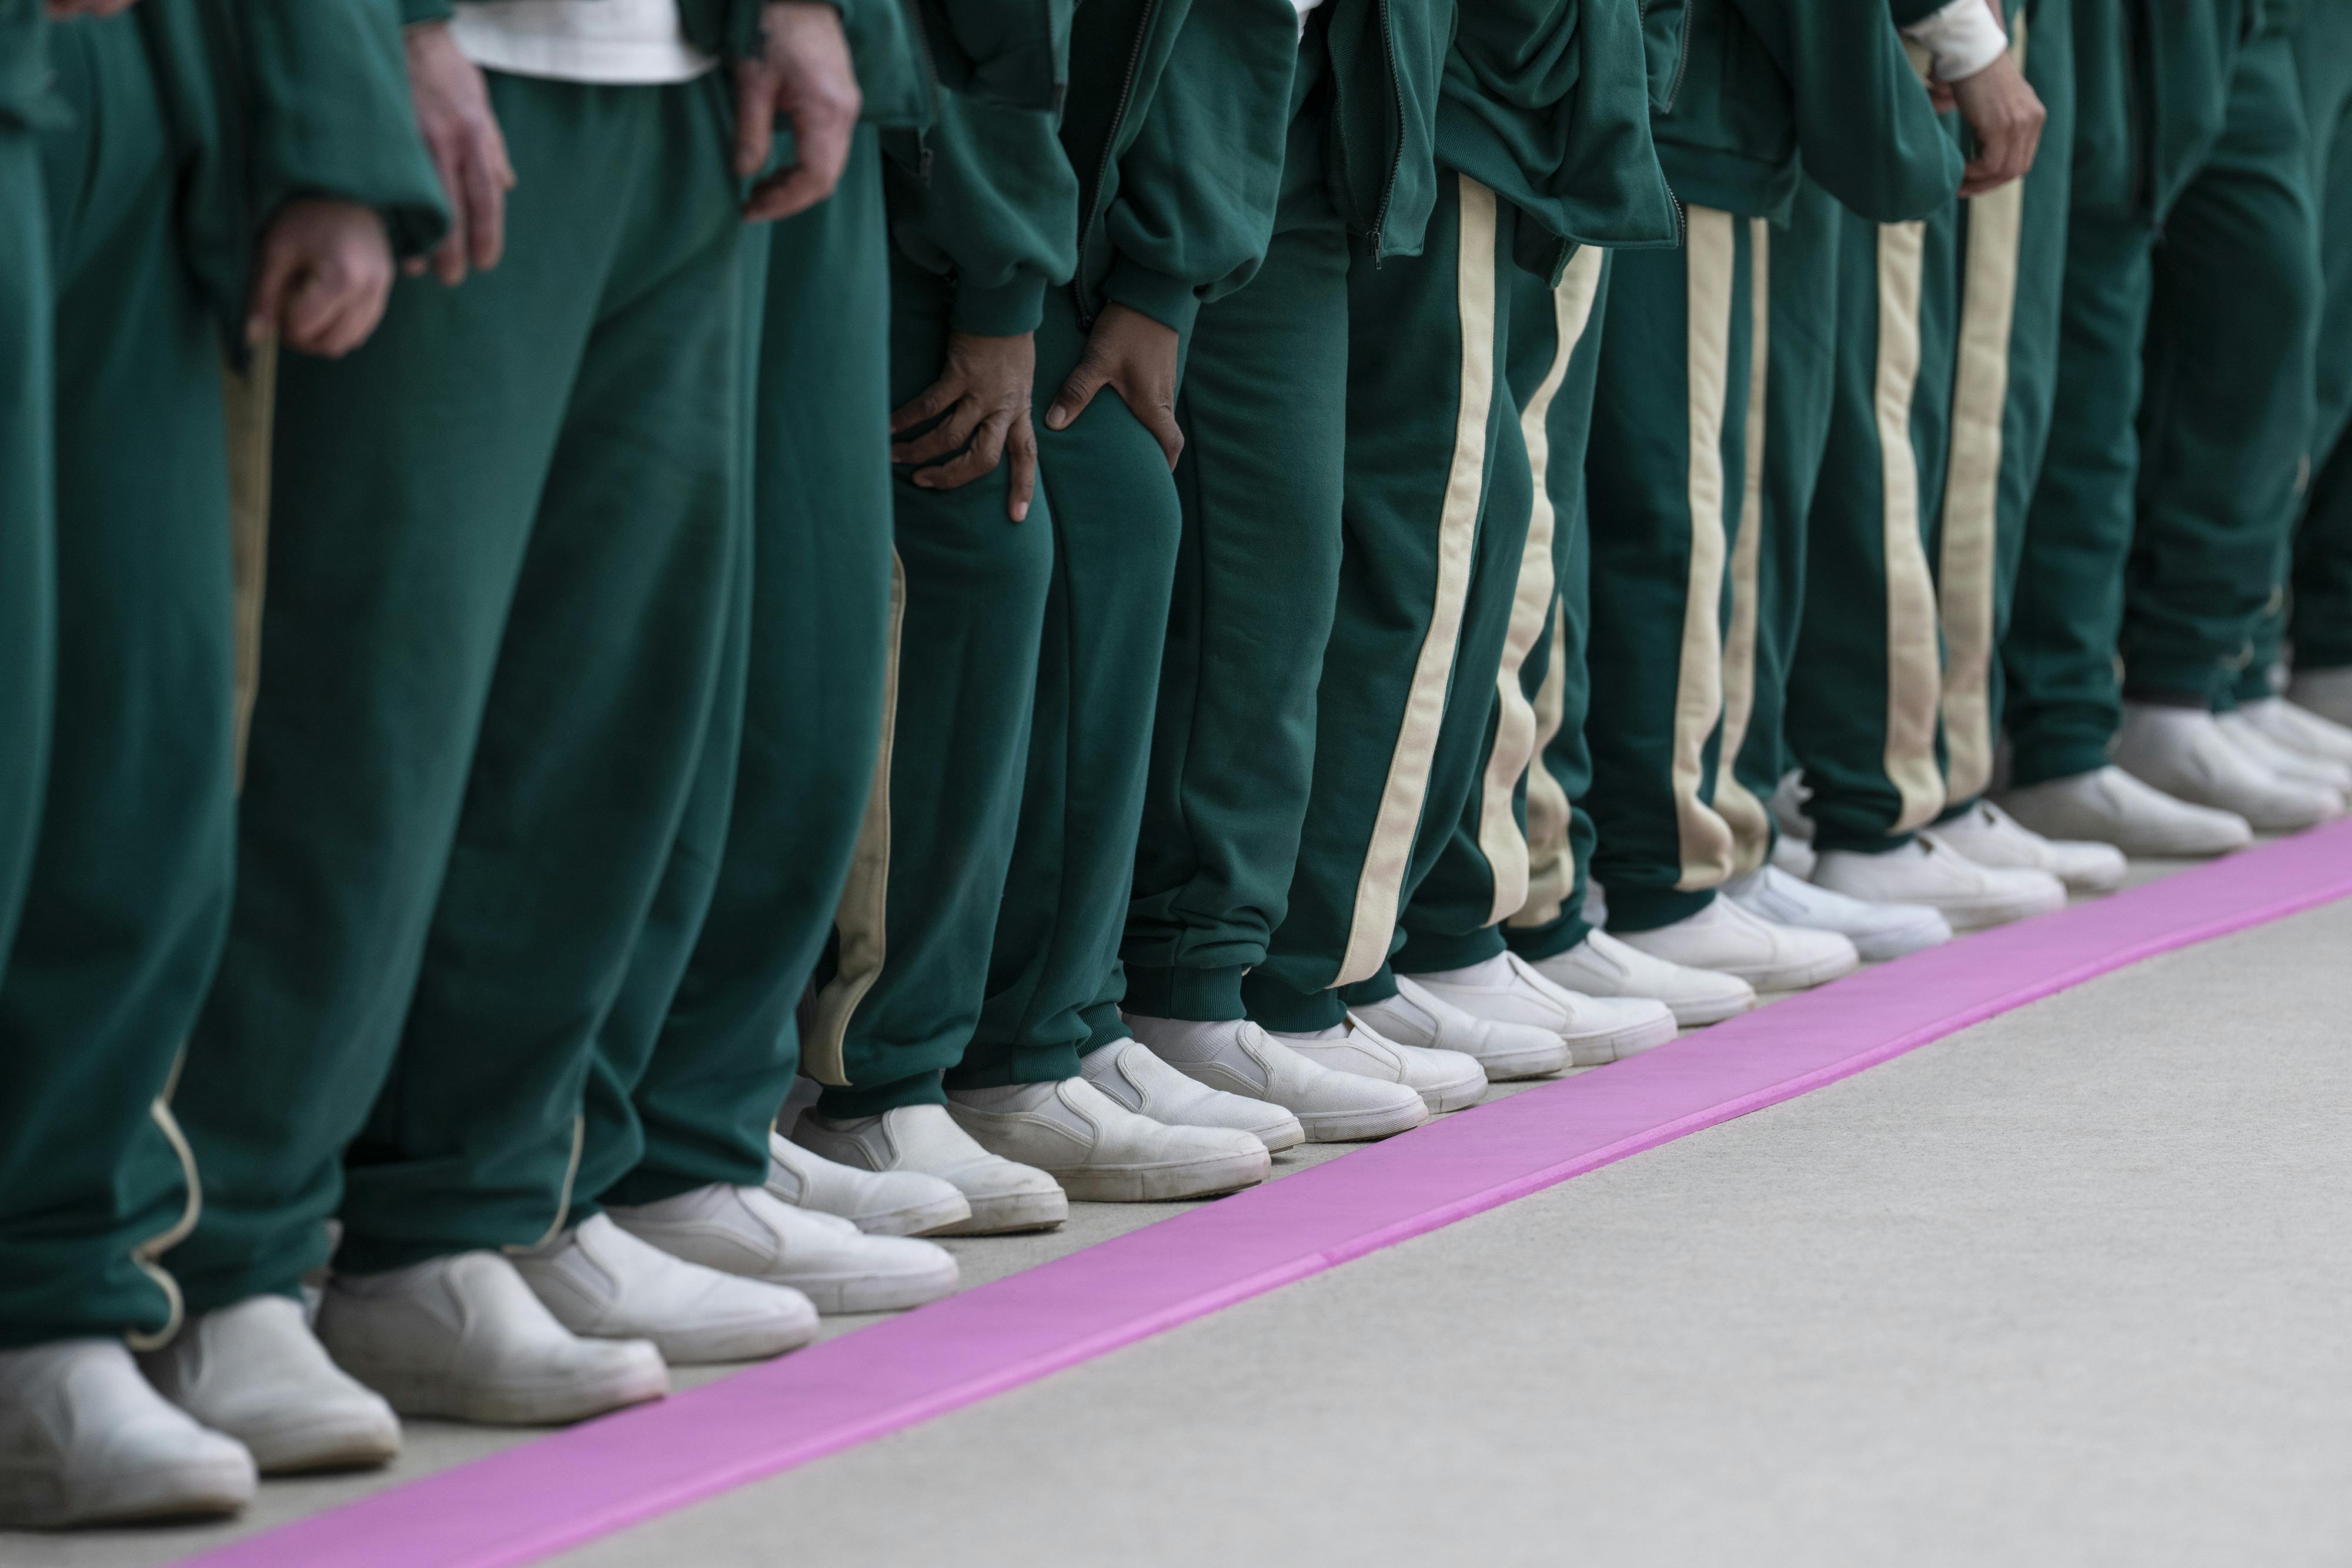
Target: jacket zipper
{"points": [[1682, 56], [1102, 170], [1396, 99]]}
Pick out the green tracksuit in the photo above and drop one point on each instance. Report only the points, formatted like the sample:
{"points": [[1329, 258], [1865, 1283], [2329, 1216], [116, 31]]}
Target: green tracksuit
{"points": [[485, 689], [191, 122], [1668, 464], [1894, 711], [27, 451], [2183, 368], [1258, 561]]}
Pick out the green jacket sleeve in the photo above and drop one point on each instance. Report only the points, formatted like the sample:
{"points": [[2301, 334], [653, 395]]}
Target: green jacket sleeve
{"points": [[331, 115], [1865, 127], [25, 98], [990, 202], [1011, 53], [885, 47], [1198, 184]]}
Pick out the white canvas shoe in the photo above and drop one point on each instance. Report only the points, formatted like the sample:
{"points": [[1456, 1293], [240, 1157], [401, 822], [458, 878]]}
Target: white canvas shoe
{"points": [[2292, 725], [1601, 966], [1241, 1058], [1990, 836], [1787, 808], [602, 1283], [2326, 693], [750, 1232], [464, 1337], [1445, 1080], [1729, 940], [255, 1372], [1878, 931], [1969, 896], [1506, 988], [1793, 855], [1127, 1072], [2184, 753], [2109, 806], [1004, 1197], [879, 1203], [2281, 760], [84, 1439], [1503, 1048], [1100, 1151]]}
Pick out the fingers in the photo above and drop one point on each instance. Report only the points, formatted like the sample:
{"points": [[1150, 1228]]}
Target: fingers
{"points": [[1158, 416], [986, 452], [274, 278], [1021, 446], [786, 192], [929, 403], [486, 198], [1077, 392], [948, 436], [821, 132], [448, 257], [755, 118]]}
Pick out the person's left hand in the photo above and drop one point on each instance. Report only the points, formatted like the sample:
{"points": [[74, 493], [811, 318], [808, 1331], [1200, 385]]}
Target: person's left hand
{"points": [[981, 402], [803, 75], [323, 276], [1135, 356]]}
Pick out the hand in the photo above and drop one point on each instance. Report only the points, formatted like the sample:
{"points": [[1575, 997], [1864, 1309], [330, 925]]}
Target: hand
{"points": [[325, 273], [2007, 116], [1134, 356], [803, 75], [61, 10], [453, 110], [984, 392]]}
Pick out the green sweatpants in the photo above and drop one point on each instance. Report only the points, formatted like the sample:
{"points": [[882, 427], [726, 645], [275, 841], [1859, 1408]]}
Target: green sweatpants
{"points": [[902, 988], [2320, 580], [129, 888], [1516, 812], [1429, 562], [2184, 373], [1865, 686], [1258, 572], [29, 622], [499, 593], [1664, 475], [701, 1047]]}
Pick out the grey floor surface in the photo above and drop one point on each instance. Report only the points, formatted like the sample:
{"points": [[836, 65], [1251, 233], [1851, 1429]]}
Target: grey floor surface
{"points": [[2069, 1287]]}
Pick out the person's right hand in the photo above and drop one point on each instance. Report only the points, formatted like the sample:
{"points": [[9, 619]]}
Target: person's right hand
{"points": [[61, 10], [981, 398], [453, 110], [1135, 356], [2007, 116]]}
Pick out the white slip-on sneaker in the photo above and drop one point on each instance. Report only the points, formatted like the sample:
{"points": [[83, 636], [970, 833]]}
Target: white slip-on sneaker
{"points": [[1787, 808], [2326, 693], [1100, 1151], [1004, 1197], [1503, 1048], [1506, 988], [1445, 1080], [84, 1439], [2183, 752], [464, 1337], [751, 1232], [1727, 939], [2292, 725], [1793, 855], [2281, 760], [2109, 806], [1127, 1072], [1878, 931], [602, 1283], [255, 1371], [879, 1203], [1240, 1057], [1969, 896], [1990, 836], [1601, 966]]}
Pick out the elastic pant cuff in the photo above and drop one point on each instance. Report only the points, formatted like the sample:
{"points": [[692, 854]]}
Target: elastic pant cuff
{"points": [[1371, 993], [1827, 838], [1003, 1066], [1953, 812], [2047, 761], [850, 1105], [2168, 694], [1647, 909], [1429, 953], [1549, 940], [1200, 995], [1277, 1007]]}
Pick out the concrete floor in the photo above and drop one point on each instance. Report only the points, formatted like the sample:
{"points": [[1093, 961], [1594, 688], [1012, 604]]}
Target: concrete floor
{"points": [[2063, 1288]]}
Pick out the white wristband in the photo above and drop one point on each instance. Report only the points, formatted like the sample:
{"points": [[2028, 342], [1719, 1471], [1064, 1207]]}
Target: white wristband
{"points": [[1962, 37]]}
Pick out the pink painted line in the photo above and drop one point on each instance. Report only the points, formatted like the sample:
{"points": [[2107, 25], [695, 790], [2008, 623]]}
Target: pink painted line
{"points": [[572, 1486]]}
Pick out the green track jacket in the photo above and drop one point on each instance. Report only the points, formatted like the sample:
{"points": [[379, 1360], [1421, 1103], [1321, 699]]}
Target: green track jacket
{"points": [[269, 100], [2152, 86], [24, 98], [1744, 87], [1178, 116]]}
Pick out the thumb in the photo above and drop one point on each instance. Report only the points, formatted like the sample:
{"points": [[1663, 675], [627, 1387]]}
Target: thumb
{"points": [[1076, 394], [279, 263]]}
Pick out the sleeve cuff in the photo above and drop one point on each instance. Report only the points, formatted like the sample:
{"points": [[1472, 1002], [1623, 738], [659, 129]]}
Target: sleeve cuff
{"points": [[414, 12], [1000, 310], [1165, 298], [1962, 37]]}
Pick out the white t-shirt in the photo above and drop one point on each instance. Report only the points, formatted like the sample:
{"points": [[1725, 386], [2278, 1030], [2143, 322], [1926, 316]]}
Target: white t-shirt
{"points": [[1304, 7], [1962, 39], [631, 42]]}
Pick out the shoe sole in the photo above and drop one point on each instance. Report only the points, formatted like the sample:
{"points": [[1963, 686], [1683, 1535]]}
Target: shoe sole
{"points": [[1984, 917], [1700, 1013], [558, 1402], [1515, 1066], [837, 1295], [1289, 1136], [1615, 1045], [1362, 1126], [918, 1219], [1443, 1099], [1166, 1183], [1884, 947], [34, 1499], [313, 1448], [1011, 1215]]}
